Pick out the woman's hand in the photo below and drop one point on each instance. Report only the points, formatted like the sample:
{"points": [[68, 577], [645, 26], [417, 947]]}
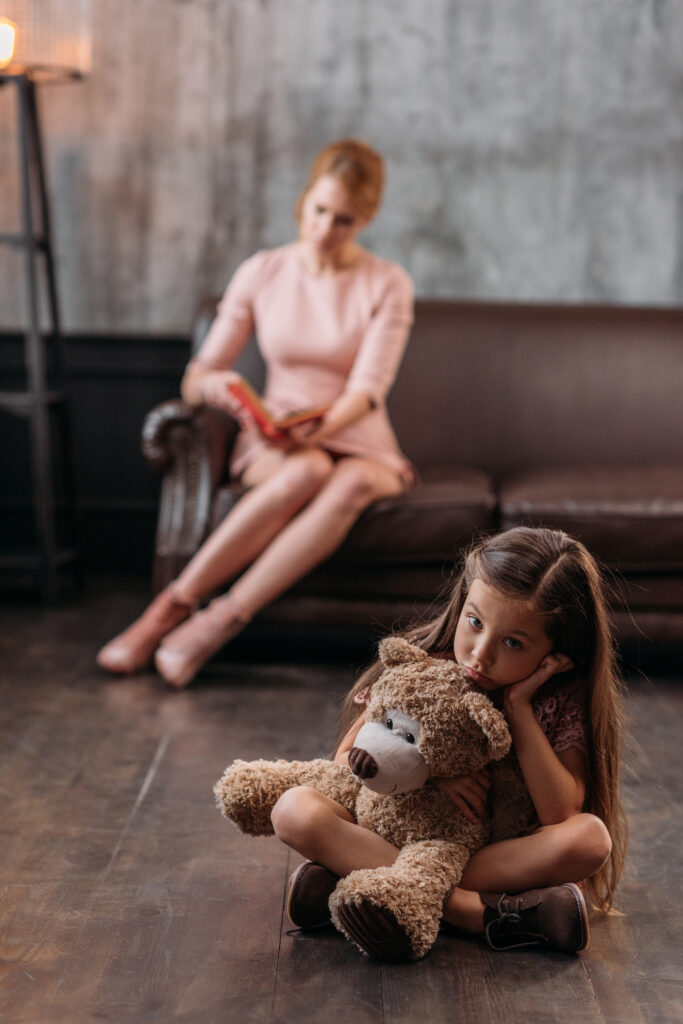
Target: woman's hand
{"points": [[521, 693], [214, 391], [469, 793], [305, 435], [346, 409]]}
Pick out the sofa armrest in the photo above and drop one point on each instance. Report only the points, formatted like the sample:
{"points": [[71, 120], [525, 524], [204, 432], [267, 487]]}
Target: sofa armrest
{"points": [[190, 446], [210, 430]]}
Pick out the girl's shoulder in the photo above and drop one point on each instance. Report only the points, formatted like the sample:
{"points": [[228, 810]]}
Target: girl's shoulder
{"points": [[559, 708]]}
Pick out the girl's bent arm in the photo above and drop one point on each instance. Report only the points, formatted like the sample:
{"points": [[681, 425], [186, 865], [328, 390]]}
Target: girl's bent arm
{"points": [[556, 781]]}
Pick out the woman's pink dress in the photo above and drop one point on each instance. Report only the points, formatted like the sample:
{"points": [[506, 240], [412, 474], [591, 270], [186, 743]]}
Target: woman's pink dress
{"points": [[320, 335]]}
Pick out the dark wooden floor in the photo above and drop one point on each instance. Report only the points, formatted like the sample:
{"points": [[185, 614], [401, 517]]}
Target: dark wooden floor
{"points": [[126, 897]]}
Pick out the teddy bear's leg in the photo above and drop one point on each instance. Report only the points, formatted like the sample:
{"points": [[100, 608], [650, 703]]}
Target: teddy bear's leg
{"points": [[393, 913], [248, 790]]}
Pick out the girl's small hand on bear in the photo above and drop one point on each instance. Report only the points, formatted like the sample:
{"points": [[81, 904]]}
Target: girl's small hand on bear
{"points": [[523, 691], [469, 793]]}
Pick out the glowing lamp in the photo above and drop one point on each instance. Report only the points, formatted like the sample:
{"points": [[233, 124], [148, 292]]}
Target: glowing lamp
{"points": [[52, 39], [8, 35]]}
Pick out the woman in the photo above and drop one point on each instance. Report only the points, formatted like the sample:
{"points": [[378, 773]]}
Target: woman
{"points": [[332, 321]]}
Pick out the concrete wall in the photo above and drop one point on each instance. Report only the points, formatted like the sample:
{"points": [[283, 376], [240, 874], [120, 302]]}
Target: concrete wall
{"points": [[534, 147]]}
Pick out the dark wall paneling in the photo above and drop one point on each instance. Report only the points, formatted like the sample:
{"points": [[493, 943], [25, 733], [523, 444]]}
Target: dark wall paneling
{"points": [[113, 381]]}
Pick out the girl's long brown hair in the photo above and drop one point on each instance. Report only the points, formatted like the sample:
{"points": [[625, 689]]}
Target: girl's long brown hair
{"points": [[564, 582]]}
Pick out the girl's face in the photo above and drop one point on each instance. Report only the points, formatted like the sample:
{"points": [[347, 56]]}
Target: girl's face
{"points": [[329, 221], [498, 641]]}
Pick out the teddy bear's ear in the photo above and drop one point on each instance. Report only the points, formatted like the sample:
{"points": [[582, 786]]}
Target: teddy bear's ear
{"points": [[491, 723], [394, 650]]}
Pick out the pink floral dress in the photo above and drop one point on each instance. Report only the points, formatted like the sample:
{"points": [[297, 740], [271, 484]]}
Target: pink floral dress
{"points": [[558, 708]]}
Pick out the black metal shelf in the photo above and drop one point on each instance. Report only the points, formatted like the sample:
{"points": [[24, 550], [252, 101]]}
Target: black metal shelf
{"points": [[35, 401]]}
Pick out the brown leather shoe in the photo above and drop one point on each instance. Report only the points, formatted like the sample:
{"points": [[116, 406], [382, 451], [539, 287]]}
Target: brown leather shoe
{"points": [[554, 917], [310, 888]]}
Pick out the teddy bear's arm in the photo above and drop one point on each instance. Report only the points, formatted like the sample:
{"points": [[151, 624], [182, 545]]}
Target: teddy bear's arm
{"points": [[248, 790]]}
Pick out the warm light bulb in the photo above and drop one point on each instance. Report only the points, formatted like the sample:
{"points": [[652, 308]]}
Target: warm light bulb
{"points": [[8, 34]]}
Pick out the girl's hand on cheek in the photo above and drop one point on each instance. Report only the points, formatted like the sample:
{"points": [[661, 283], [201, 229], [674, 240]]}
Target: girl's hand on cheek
{"points": [[469, 793], [523, 691]]}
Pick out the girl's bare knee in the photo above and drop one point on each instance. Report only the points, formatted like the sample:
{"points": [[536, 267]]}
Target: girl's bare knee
{"points": [[587, 845], [591, 842], [297, 815]]}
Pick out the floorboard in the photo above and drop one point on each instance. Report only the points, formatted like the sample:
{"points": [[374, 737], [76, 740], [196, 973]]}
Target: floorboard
{"points": [[126, 897]]}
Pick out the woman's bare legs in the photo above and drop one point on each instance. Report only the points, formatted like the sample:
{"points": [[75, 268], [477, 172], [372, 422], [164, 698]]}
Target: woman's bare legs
{"points": [[281, 484], [316, 532], [287, 554], [322, 831]]}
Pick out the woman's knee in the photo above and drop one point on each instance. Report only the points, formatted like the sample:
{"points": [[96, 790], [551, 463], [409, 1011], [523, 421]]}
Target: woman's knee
{"points": [[298, 815], [305, 473], [355, 484]]}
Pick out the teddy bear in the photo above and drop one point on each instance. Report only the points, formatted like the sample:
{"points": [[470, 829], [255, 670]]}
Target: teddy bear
{"points": [[423, 719]]}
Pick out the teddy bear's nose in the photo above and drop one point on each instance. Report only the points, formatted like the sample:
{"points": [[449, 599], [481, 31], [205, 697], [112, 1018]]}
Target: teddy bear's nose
{"points": [[362, 764]]}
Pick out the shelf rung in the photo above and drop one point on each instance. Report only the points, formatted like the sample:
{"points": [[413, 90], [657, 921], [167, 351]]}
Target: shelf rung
{"points": [[33, 561], [13, 563], [19, 241], [21, 403]]}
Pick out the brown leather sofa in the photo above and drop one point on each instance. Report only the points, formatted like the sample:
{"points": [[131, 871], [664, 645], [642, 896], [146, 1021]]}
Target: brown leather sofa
{"points": [[566, 416]]}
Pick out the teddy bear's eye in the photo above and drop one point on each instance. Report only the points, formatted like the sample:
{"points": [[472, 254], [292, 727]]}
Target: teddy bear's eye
{"points": [[409, 737], [390, 723]]}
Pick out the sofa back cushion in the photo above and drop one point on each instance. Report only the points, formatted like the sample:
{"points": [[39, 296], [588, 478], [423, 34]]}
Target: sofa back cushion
{"points": [[506, 387]]}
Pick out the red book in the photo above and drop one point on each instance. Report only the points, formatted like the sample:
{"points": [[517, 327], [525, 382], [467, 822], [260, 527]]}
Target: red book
{"points": [[243, 393]]}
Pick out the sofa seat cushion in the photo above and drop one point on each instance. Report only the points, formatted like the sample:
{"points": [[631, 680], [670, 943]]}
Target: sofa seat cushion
{"points": [[629, 517], [427, 524]]}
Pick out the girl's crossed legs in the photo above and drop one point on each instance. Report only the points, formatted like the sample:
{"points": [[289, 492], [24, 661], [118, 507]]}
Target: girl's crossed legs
{"points": [[323, 831]]}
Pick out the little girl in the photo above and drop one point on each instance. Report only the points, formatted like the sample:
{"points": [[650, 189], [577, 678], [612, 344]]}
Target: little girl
{"points": [[527, 621]]}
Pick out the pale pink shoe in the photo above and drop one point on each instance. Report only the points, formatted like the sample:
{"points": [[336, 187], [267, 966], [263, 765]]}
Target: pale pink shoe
{"points": [[186, 649], [133, 649]]}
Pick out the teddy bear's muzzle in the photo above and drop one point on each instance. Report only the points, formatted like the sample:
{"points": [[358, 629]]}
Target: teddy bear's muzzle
{"points": [[362, 764], [386, 757]]}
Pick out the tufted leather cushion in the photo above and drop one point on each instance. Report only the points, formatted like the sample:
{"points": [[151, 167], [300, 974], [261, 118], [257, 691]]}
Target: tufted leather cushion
{"points": [[630, 517]]}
